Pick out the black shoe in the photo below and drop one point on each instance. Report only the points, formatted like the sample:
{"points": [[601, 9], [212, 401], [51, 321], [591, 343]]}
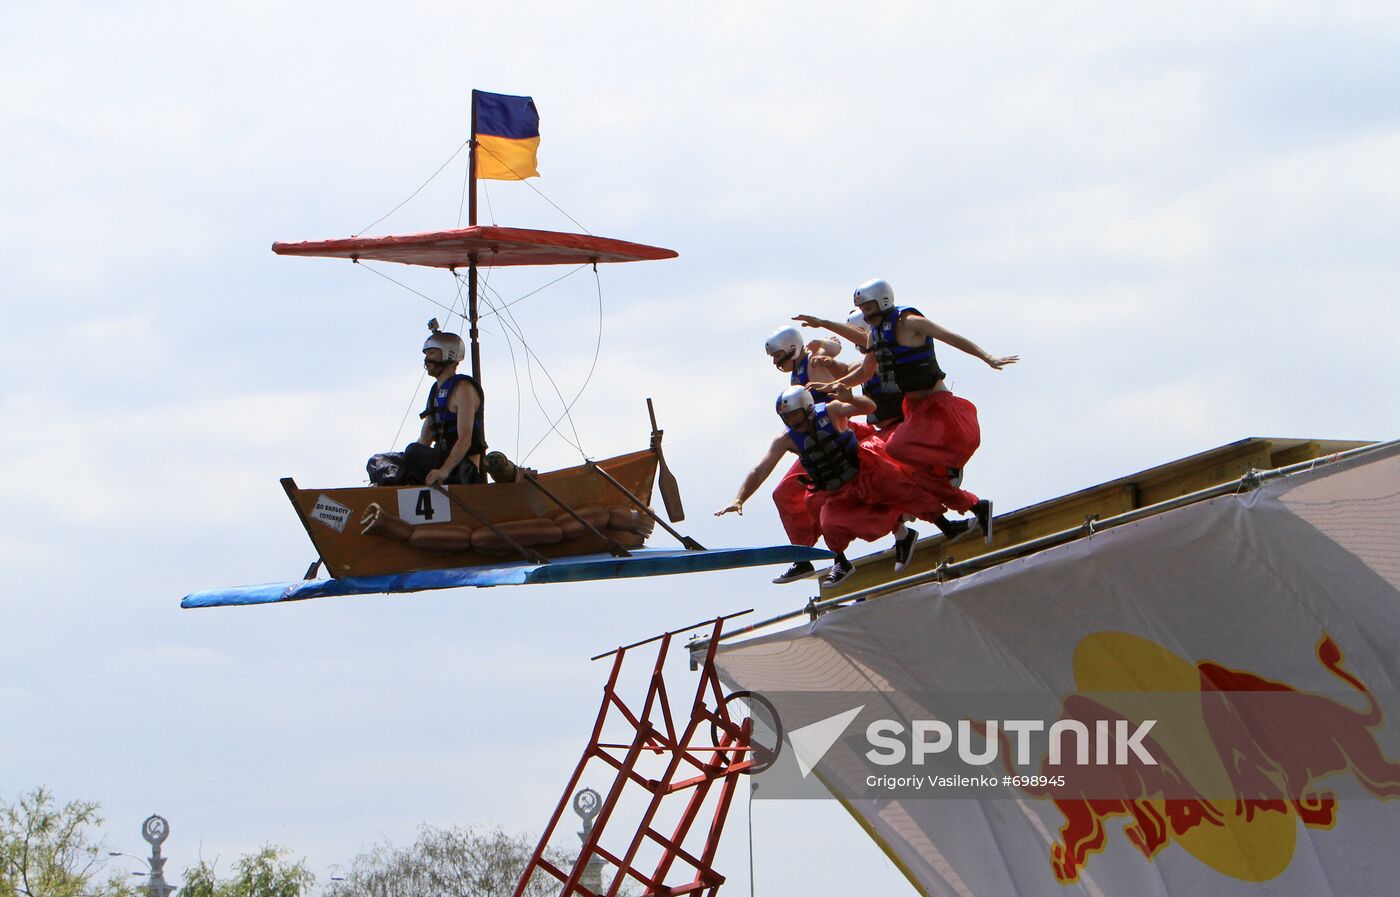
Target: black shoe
{"points": [[983, 512], [799, 570], [840, 569], [904, 548], [952, 529]]}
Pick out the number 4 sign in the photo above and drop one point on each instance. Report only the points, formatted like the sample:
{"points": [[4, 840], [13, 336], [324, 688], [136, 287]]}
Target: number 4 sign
{"points": [[424, 505]]}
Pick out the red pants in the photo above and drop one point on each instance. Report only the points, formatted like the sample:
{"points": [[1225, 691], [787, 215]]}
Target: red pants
{"points": [[802, 526], [870, 506], [801, 521], [939, 432]]}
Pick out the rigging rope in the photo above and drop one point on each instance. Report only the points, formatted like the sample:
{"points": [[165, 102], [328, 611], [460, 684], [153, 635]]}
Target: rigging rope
{"points": [[529, 375], [533, 187], [495, 309], [394, 445], [508, 321], [597, 350], [416, 192], [510, 347], [466, 183], [450, 309], [569, 274], [753, 788], [511, 325]]}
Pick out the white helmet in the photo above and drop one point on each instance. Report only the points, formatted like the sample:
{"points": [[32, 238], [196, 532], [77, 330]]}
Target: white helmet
{"points": [[784, 340], [453, 349], [857, 320], [878, 291], [794, 398]]}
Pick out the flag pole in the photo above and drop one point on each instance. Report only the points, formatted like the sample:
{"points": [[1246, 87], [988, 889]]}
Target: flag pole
{"points": [[471, 281], [471, 259]]}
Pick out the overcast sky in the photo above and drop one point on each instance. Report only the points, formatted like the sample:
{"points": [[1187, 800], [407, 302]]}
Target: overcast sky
{"points": [[1183, 218]]}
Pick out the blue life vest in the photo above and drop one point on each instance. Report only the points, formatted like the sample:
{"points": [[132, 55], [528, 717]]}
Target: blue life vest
{"points": [[903, 368], [442, 422], [800, 377], [889, 406], [830, 456]]}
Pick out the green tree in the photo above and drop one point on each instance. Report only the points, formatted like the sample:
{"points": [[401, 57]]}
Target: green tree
{"points": [[450, 862], [47, 850], [267, 873]]}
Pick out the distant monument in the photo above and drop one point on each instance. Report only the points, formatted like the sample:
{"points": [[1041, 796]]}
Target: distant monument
{"points": [[155, 830], [587, 803]]}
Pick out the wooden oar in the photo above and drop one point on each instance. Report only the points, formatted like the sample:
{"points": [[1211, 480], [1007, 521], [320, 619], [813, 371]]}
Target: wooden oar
{"points": [[670, 489]]}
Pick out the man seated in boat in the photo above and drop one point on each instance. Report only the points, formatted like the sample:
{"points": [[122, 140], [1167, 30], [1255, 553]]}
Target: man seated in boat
{"points": [[451, 444]]}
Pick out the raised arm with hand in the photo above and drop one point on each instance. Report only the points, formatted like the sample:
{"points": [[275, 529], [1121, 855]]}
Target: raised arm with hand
{"points": [[922, 327], [840, 328], [858, 374], [761, 472]]}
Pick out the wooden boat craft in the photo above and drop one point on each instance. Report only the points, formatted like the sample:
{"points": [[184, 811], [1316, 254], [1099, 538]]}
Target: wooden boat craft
{"points": [[591, 521], [373, 530]]}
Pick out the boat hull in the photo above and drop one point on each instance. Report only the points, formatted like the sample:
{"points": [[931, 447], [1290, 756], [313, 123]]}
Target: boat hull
{"points": [[412, 517]]}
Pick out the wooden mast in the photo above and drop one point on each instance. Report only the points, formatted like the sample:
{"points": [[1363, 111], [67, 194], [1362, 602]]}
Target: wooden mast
{"points": [[471, 259]]}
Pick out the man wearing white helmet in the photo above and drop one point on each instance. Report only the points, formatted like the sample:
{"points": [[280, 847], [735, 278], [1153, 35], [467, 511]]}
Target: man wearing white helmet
{"points": [[889, 406], [940, 430], [854, 490], [802, 363], [452, 441]]}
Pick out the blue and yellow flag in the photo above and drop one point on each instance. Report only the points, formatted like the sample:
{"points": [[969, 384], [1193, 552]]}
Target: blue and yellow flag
{"points": [[507, 136]]}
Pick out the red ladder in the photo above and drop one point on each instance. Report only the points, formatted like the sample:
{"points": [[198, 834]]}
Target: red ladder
{"points": [[721, 757]]}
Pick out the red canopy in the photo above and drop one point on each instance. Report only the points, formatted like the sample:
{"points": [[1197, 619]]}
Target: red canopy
{"points": [[493, 247]]}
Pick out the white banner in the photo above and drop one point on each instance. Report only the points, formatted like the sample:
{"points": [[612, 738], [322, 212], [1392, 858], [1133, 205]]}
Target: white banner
{"points": [[1291, 589]]}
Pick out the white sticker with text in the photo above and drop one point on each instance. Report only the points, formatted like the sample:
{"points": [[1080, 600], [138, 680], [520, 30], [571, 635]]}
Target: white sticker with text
{"points": [[330, 512]]}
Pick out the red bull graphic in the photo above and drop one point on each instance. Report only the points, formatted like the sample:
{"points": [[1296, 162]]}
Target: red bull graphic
{"points": [[1234, 776]]}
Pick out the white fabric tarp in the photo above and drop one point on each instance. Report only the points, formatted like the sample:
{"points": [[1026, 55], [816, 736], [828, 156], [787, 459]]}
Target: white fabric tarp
{"points": [[1252, 583]]}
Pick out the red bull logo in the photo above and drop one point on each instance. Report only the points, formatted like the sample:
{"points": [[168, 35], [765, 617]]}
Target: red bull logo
{"points": [[1236, 772]]}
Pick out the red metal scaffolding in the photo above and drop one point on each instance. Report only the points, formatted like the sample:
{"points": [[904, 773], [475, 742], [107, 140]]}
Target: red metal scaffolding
{"points": [[723, 752]]}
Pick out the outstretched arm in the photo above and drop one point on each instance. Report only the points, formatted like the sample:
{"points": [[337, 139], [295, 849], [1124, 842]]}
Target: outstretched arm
{"points": [[823, 367], [846, 404], [840, 328], [859, 374], [923, 327], [760, 473]]}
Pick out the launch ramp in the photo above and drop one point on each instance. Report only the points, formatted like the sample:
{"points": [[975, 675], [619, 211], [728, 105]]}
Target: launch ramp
{"points": [[1284, 583]]}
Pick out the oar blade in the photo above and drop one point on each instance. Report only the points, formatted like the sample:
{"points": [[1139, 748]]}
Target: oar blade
{"points": [[670, 490]]}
